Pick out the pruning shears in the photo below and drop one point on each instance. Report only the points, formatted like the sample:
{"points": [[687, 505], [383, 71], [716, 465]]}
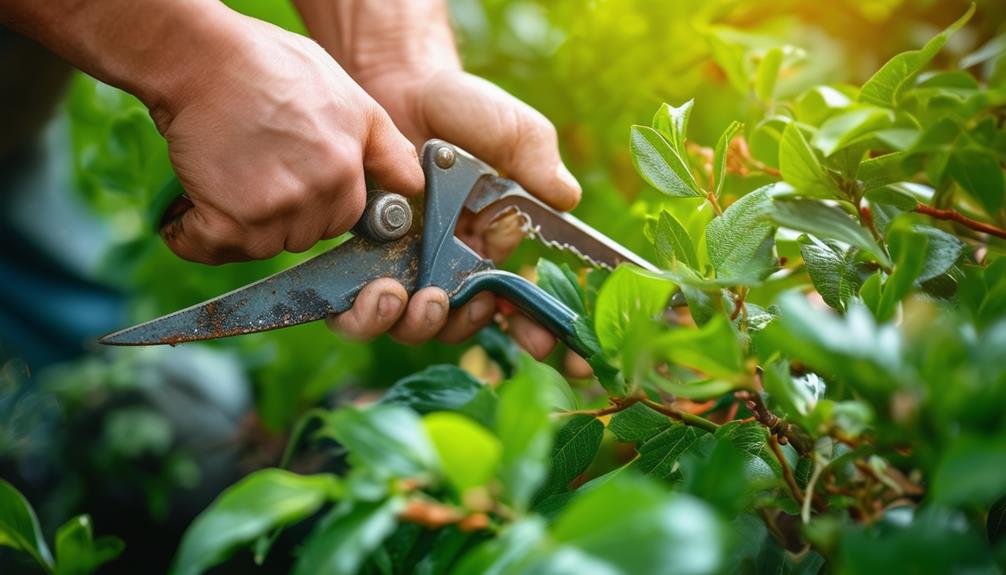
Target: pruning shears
{"points": [[415, 246]]}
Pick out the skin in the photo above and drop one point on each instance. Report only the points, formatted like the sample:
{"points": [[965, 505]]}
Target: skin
{"points": [[270, 133]]}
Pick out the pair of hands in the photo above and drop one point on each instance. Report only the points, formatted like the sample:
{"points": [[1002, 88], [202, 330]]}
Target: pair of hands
{"points": [[271, 141]]}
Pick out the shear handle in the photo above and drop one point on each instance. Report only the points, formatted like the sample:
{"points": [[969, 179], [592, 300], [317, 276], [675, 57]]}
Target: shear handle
{"points": [[535, 302]]}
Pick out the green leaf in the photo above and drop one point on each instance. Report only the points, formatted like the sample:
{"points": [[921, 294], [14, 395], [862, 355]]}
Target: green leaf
{"points": [[801, 167], [720, 157], [19, 527], [436, 388], [819, 103], [890, 195], [832, 271], [637, 423], [871, 290], [259, 503], [732, 58], [796, 396], [885, 87], [633, 526], [576, 444], [658, 455], [522, 424], [672, 242], [740, 241], [711, 349], [628, 295], [765, 139], [827, 223], [909, 251], [840, 130], [78, 552], [672, 124], [448, 546], [988, 51], [469, 455], [767, 74], [928, 540], [660, 165], [500, 555], [339, 543], [752, 439], [852, 347], [981, 176], [970, 472], [561, 282], [388, 439], [944, 251]]}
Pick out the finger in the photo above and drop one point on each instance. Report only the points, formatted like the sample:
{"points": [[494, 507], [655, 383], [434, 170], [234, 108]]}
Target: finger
{"points": [[425, 315], [340, 216], [201, 235], [505, 132], [536, 340], [391, 159], [469, 318], [377, 307], [575, 366], [494, 239]]}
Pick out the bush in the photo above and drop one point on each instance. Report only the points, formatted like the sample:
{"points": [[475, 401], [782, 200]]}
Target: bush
{"points": [[827, 398]]}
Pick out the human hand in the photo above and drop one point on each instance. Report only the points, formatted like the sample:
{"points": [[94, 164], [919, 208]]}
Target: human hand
{"points": [[505, 132], [402, 52], [270, 141]]}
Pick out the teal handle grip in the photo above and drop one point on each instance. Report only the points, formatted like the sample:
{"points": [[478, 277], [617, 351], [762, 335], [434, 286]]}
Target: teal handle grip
{"points": [[161, 205], [535, 302]]}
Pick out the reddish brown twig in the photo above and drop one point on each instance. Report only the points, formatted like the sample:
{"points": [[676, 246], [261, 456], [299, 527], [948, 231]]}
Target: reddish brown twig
{"points": [[955, 216], [787, 473]]}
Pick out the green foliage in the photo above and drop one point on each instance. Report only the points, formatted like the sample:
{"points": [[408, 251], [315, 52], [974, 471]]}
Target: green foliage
{"points": [[755, 431], [77, 551], [259, 503], [20, 528]]}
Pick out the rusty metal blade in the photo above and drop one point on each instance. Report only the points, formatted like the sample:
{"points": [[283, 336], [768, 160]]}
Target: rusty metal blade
{"points": [[310, 291], [556, 229]]}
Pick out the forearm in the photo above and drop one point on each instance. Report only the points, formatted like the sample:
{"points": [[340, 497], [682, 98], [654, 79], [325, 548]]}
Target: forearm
{"points": [[150, 48], [372, 37]]}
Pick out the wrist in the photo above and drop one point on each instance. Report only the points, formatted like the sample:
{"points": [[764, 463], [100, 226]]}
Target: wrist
{"points": [[194, 51], [150, 48]]}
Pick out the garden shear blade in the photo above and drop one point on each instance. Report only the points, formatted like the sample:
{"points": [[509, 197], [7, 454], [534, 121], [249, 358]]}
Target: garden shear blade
{"points": [[418, 251]]}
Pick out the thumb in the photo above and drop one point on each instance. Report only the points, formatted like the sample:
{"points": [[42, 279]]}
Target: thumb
{"points": [[391, 159], [529, 154], [511, 136]]}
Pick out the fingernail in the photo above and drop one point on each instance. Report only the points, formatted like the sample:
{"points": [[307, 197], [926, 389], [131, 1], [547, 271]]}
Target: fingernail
{"points": [[566, 178], [480, 309], [388, 305], [434, 311], [507, 223]]}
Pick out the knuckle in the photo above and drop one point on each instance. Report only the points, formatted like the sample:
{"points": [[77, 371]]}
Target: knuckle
{"points": [[266, 208], [261, 247], [537, 130]]}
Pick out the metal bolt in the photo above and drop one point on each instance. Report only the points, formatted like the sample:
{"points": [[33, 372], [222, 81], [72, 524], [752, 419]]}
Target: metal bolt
{"points": [[387, 217], [394, 216], [444, 157]]}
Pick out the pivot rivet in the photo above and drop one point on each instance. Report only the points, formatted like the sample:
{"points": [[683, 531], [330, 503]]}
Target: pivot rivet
{"points": [[444, 157]]}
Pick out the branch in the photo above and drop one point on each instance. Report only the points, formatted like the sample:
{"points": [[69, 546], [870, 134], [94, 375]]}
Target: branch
{"points": [[682, 416], [787, 473], [617, 404], [711, 197], [787, 432], [955, 216]]}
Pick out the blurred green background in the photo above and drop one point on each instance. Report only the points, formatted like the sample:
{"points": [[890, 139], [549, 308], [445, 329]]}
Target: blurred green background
{"points": [[142, 439]]}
